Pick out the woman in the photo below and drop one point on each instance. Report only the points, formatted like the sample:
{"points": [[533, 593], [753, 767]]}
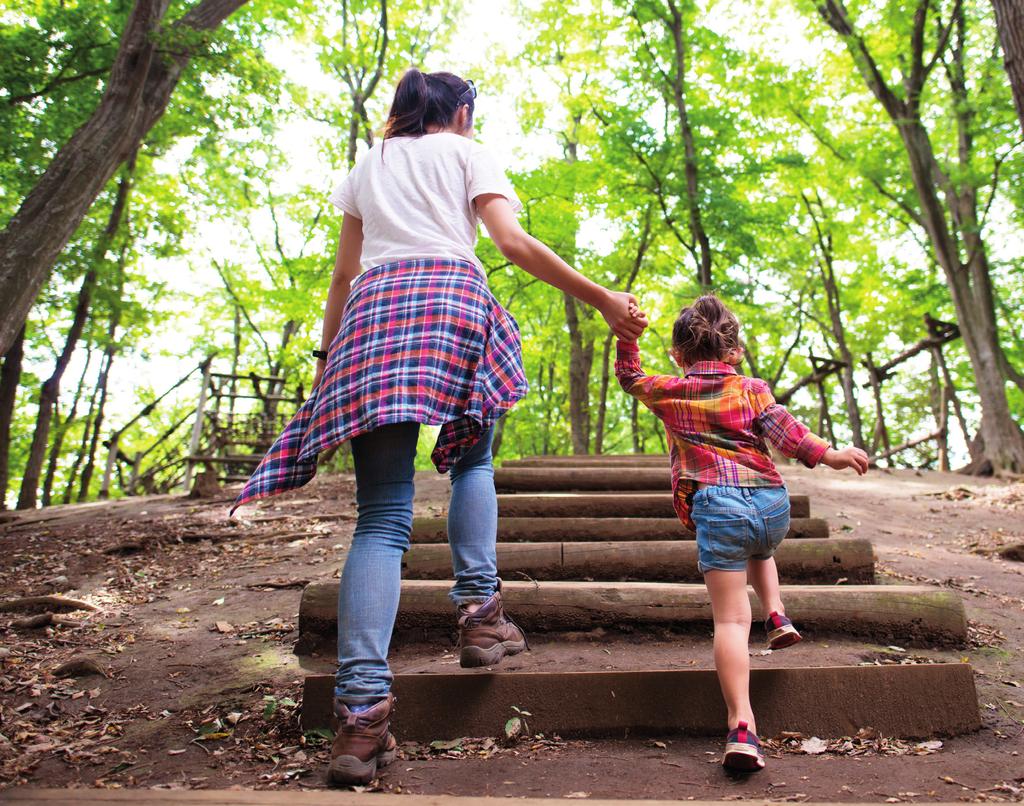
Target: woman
{"points": [[417, 338]]}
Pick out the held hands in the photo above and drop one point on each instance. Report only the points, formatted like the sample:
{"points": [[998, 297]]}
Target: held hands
{"points": [[623, 315], [847, 457]]}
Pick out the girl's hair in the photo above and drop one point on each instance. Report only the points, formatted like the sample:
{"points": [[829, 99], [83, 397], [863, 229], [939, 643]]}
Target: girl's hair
{"points": [[427, 99], [706, 330]]}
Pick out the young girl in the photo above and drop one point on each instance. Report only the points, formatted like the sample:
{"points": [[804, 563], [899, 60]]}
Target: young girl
{"points": [[417, 338], [726, 488]]}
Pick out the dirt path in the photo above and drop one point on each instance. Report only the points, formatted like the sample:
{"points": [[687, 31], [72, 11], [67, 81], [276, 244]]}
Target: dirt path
{"points": [[196, 620]]}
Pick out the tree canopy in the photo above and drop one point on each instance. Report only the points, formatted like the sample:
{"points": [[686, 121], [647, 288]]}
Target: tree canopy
{"points": [[836, 171]]}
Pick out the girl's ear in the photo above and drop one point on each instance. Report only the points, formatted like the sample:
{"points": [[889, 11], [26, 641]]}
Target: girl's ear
{"points": [[463, 124], [677, 357], [734, 356]]}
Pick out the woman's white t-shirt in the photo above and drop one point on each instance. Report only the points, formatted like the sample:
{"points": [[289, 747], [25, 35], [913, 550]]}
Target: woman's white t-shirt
{"points": [[415, 196]]}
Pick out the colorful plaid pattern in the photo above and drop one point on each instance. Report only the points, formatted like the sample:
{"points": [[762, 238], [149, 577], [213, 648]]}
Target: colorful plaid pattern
{"points": [[719, 424], [420, 341]]}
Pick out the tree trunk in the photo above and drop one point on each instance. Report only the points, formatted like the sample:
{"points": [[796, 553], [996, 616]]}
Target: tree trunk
{"points": [[49, 394], [1010, 22], [949, 227], [634, 423], [90, 416], [826, 267], [10, 375], [58, 440], [602, 407], [104, 377], [97, 422], [697, 231], [581, 359], [143, 76], [602, 402]]}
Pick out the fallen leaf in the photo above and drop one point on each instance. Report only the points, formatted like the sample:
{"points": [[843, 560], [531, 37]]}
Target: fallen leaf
{"points": [[813, 746]]}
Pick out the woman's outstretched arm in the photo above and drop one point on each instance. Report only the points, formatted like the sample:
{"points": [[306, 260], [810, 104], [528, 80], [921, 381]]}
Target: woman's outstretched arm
{"points": [[346, 268], [534, 257]]}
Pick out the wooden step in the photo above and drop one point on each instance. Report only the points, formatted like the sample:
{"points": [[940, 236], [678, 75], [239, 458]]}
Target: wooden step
{"points": [[909, 701], [24, 796], [606, 505], [435, 530], [896, 612], [590, 460], [821, 562], [556, 479]]}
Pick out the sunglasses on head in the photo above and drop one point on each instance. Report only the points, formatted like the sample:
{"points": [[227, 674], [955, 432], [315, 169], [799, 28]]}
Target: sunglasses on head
{"points": [[469, 91]]}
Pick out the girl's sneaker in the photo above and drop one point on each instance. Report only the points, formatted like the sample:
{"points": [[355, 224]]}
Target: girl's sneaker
{"points": [[781, 632], [743, 750]]}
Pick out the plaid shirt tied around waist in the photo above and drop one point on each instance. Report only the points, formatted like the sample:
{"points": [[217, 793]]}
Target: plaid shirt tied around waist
{"points": [[719, 424], [420, 341]]}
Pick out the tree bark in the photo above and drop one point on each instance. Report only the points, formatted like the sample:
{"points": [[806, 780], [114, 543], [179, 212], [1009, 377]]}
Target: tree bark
{"points": [[1010, 23], [602, 407], [104, 377], [952, 225], [97, 423], [58, 441], [826, 267], [139, 88], [581, 359], [697, 231], [10, 375], [49, 394]]}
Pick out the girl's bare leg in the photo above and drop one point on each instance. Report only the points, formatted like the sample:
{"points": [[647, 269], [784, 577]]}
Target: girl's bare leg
{"points": [[730, 607], [764, 576]]}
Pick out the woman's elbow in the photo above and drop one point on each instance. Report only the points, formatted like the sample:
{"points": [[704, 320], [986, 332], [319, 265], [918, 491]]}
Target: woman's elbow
{"points": [[516, 247]]}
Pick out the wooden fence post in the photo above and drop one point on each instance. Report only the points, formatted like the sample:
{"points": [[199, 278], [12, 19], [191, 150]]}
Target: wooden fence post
{"points": [[197, 428]]}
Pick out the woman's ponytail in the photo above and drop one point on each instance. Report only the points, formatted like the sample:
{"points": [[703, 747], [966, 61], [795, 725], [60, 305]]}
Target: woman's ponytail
{"points": [[423, 100], [409, 107]]}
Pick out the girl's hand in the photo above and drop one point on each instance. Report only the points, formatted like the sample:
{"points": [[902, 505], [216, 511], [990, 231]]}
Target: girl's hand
{"points": [[847, 457], [622, 313], [321, 365]]}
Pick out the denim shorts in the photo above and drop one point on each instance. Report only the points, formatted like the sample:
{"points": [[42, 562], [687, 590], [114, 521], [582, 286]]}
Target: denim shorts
{"points": [[736, 524]]}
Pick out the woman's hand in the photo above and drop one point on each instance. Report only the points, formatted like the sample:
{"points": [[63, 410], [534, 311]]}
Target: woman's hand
{"points": [[318, 375], [847, 457], [622, 313]]}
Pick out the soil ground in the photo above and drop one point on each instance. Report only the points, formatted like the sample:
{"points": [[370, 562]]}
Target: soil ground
{"points": [[195, 621]]}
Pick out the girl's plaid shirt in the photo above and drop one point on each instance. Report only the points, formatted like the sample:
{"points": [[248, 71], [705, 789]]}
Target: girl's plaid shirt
{"points": [[719, 424]]}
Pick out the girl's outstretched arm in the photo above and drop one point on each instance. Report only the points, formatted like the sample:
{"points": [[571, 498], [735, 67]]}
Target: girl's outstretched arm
{"points": [[534, 257], [346, 268]]}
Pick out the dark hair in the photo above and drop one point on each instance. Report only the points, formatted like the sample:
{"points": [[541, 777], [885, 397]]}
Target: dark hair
{"points": [[426, 99], [706, 330]]}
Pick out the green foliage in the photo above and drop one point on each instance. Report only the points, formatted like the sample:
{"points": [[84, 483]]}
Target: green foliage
{"points": [[229, 241]]}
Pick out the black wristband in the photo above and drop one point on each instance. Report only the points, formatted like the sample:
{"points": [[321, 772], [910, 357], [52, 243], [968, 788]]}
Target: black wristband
{"points": [[321, 354]]}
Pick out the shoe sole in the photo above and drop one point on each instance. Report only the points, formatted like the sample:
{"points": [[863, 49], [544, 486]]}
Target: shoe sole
{"points": [[743, 757], [474, 656], [352, 771], [783, 637]]}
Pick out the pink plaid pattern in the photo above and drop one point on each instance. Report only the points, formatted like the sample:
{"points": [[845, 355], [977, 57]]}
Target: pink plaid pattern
{"points": [[718, 424], [420, 341]]}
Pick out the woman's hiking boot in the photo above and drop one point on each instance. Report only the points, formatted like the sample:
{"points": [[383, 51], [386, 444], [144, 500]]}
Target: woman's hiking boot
{"points": [[363, 743], [487, 635]]}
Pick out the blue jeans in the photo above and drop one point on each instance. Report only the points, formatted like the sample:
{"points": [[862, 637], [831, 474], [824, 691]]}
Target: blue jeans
{"points": [[736, 524], [372, 578]]}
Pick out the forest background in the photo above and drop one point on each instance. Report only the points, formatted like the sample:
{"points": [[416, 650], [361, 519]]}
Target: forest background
{"points": [[835, 171]]}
